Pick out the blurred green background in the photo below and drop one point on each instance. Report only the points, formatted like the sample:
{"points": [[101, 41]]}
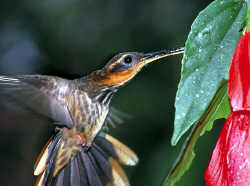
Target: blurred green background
{"points": [[71, 38]]}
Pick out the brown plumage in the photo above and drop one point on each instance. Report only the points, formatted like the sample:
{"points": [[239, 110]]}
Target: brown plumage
{"points": [[80, 154]]}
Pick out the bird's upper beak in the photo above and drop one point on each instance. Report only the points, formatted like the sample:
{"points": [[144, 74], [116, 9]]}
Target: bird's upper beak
{"points": [[153, 56]]}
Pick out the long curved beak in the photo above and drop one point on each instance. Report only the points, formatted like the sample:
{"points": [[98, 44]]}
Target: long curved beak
{"points": [[153, 56]]}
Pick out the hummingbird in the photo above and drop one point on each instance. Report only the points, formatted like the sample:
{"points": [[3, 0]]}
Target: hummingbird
{"points": [[80, 153]]}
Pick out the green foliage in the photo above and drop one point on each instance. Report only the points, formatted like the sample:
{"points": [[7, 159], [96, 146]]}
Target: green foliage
{"points": [[219, 108], [202, 92], [208, 52], [248, 17]]}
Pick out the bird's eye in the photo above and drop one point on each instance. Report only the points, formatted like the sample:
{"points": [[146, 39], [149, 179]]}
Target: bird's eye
{"points": [[128, 59]]}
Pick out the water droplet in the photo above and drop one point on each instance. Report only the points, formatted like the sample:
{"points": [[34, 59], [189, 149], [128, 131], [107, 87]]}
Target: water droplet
{"points": [[177, 117], [200, 35], [197, 95], [202, 91], [177, 98], [197, 70], [200, 50]]}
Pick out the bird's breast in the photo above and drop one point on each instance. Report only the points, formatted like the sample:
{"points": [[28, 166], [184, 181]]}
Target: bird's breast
{"points": [[88, 114]]}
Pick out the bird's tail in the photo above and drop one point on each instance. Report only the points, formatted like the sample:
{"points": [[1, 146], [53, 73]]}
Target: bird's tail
{"points": [[97, 166]]}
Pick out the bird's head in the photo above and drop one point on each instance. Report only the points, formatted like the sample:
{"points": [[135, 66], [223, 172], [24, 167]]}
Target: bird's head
{"points": [[124, 66]]}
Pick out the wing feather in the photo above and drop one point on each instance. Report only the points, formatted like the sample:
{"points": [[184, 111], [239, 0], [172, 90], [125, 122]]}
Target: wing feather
{"points": [[42, 94]]}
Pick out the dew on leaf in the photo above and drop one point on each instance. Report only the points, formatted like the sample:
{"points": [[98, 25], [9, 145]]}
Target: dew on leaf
{"points": [[177, 117], [200, 35]]}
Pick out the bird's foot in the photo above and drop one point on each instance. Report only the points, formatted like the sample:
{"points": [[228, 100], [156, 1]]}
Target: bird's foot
{"points": [[87, 146], [81, 141]]}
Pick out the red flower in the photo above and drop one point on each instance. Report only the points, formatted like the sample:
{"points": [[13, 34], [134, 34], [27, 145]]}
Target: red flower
{"points": [[239, 75], [230, 162]]}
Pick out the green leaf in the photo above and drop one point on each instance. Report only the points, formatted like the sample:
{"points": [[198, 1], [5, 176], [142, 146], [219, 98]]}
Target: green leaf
{"points": [[221, 110], [248, 16], [208, 52], [218, 108]]}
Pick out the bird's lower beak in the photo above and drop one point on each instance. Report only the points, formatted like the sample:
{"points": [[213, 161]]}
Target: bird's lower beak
{"points": [[153, 56]]}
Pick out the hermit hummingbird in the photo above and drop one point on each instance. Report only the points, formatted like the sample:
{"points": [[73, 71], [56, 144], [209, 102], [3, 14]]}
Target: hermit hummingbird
{"points": [[81, 153]]}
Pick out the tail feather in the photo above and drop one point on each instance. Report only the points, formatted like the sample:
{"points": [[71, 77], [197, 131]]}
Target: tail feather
{"points": [[82, 171], [93, 177], [97, 166], [111, 168], [59, 181], [40, 164], [119, 177], [39, 181], [43, 168], [75, 174], [53, 150], [102, 161], [67, 175], [117, 149]]}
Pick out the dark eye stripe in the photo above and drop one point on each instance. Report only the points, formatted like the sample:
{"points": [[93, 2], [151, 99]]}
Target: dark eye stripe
{"points": [[124, 63], [118, 68]]}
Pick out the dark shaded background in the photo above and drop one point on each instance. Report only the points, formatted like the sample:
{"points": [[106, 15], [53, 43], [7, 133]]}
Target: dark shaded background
{"points": [[70, 38]]}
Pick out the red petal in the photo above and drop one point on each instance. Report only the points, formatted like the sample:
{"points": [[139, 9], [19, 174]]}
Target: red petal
{"points": [[239, 75], [230, 162]]}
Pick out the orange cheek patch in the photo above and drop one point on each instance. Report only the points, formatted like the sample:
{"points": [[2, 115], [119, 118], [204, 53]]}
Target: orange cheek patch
{"points": [[119, 78]]}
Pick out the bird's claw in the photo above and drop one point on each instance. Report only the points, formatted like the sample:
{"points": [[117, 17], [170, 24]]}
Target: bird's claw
{"points": [[81, 141], [87, 145]]}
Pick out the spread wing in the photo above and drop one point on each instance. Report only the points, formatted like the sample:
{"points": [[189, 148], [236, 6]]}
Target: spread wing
{"points": [[42, 94]]}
